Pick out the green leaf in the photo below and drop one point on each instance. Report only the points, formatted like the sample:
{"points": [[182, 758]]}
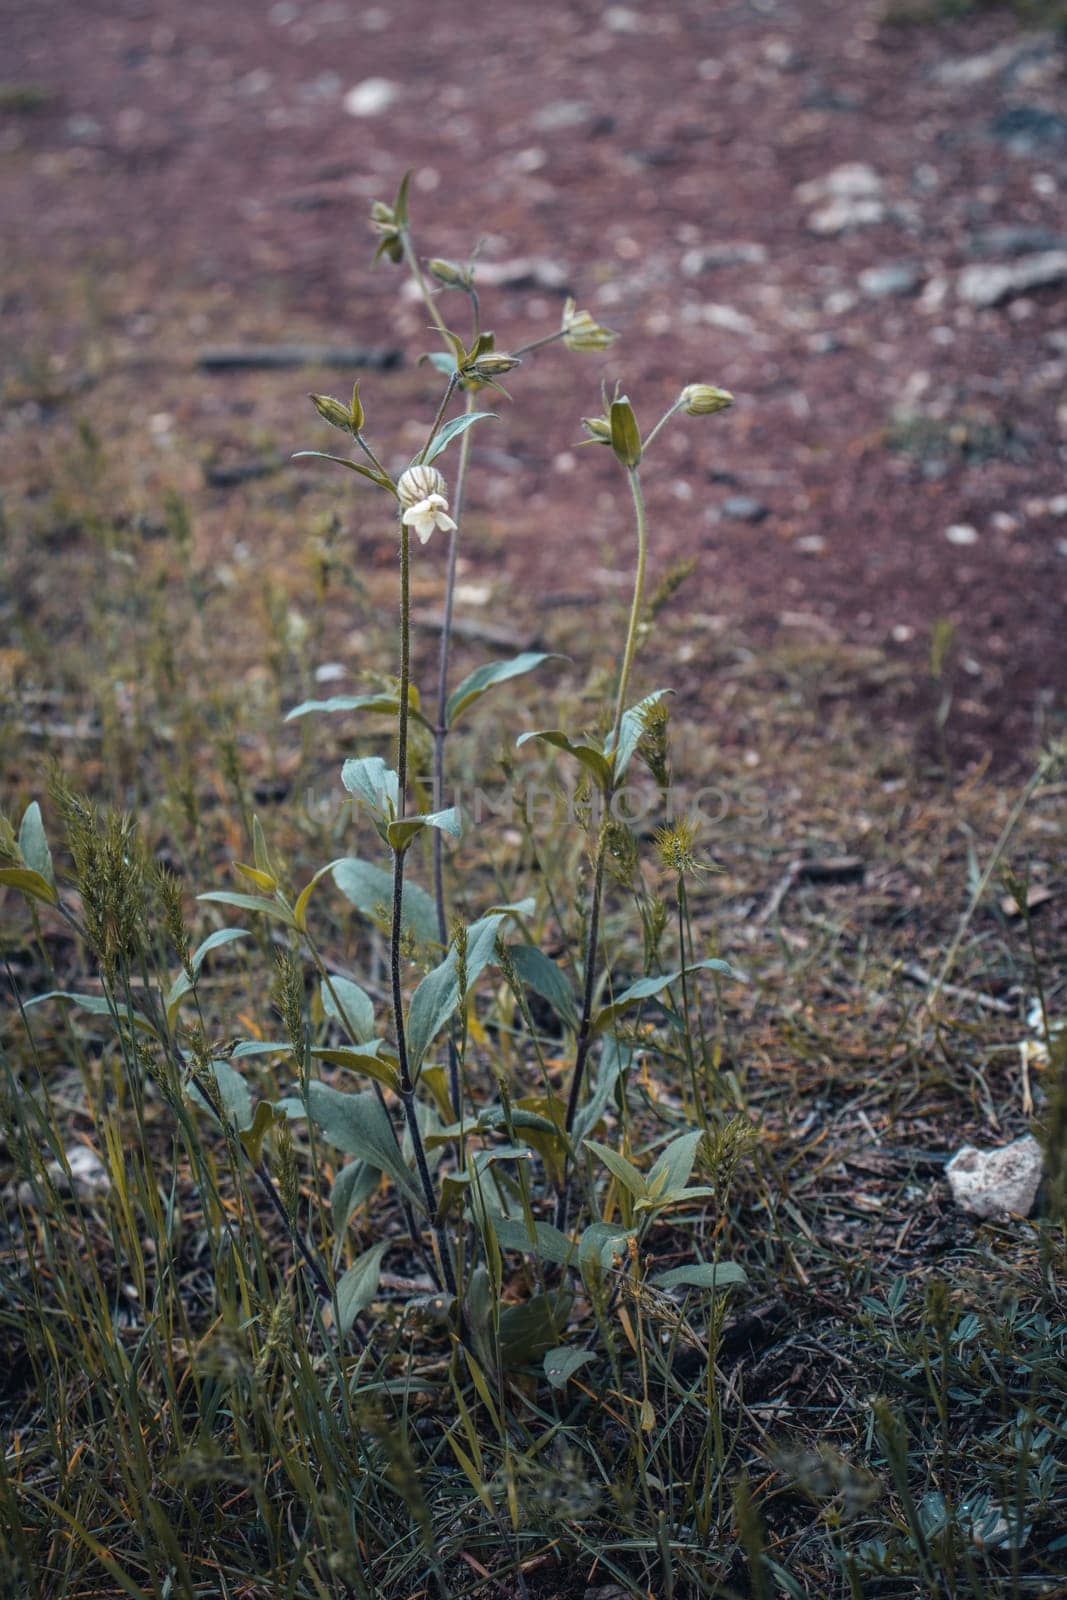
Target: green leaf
{"points": [[215, 941], [587, 754], [96, 1006], [631, 728], [528, 1331], [673, 1167], [34, 845], [264, 881], [667, 1198], [353, 1186], [234, 1093], [303, 899], [603, 1244], [625, 435], [405, 829], [452, 430], [359, 1125], [249, 902], [614, 1062], [548, 1242], [369, 779], [28, 882], [252, 1138], [174, 996], [541, 974], [388, 704], [702, 1275], [433, 1002], [376, 1061], [645, 988], [343, 461], [442, 361], [346, 1003], [619, 1167], [563, 1362], [484, 677], [357, 1288], [368, 886]]}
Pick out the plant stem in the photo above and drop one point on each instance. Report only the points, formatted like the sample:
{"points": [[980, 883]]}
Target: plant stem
{"points": [[417, 273], [538, 344], [407, 1086], [635, 609], [439, 418]]}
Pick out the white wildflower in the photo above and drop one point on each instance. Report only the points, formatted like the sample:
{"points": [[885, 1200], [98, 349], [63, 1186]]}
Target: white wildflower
{"points": [[422, 494]]}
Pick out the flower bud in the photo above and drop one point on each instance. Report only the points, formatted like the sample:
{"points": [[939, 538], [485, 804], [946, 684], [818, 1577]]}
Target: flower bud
{"points": [[598, 428], [418, 484], [701, 400], [335, 412], [492, 365], [581, 331], [448, 273]]}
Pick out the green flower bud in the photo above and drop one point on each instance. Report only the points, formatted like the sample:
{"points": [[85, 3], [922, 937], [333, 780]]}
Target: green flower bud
{"points": [[448, 273], [701, 400], [598, 428], [492, 365], [335, 412], [625, 435], [581, 331]]}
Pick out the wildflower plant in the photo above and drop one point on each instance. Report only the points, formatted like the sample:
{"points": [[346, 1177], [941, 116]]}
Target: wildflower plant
{"points": [[480, 1169]]}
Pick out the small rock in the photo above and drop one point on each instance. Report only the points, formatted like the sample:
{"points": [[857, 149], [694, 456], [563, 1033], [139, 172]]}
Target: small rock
{"points": [[967, 71], [741, 254], [727, 318], [991, 286], [841, 215], [1014, 241], [996, 1183], [561, 114], [961, 533], [1028, 129], [895, 278], [742, 508], [89, 1178], [852, 181], [525, 272], [371, 97]]}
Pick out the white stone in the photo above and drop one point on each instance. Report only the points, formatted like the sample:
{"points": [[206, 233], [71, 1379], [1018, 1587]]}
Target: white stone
{"points": [[989, 286], [852, 181], [996, 1183], [369, 98], [961, 533], [89, 1178]]}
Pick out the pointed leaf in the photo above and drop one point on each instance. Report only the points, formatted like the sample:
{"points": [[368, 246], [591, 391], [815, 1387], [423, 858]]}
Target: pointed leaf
{"points": [[587, 754], [645, 988], [631, 728], [675, 1163], [702, 1275], [28, 882], [234, 1093], [346, 1003], [490, 673], [452, 430], [359, 1125], [96, 1006], [343, 461], [405, 829], [540, 973], [368, 886], [249, 902], [353, 1186], [369, 779], [382, 1067], [388, 704], [563, 1362], [619, 1167], [34, 845], [266, 881], [300, 909], [357, 1288], [215, 941], [548, 1242]]}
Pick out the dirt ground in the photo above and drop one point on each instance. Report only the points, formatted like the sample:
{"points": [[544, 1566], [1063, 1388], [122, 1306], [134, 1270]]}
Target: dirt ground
{"points": [[895, 458]]}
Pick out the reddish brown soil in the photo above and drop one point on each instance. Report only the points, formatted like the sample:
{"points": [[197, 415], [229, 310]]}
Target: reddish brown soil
{"points": [[203, 154]]}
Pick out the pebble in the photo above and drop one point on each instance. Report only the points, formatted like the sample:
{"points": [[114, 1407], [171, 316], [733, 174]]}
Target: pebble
{"points": [[560, 114], [961, 533], [742, 508], [996, 1183], [1014, 241], [853, 180], [89, 1178], [525, 272], [371, 97], [841, 215], [894, 278], [1027, 129], [741, 254], [992, 285]]}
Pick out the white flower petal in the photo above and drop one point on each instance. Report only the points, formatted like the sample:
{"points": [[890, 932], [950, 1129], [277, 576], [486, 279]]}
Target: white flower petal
{"points": [[445, 524]]}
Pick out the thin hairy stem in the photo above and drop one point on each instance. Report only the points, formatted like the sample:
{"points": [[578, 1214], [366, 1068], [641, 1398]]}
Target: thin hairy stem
{"points": [[420, 278]]}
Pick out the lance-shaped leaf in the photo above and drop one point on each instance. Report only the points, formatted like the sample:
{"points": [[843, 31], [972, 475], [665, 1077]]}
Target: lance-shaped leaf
{"points": [[547, 1242], [369, 779], [28, 882], [674, 1165], [528, 1331], [449, 431], [183, 983], [96, 1005], [702, 1275], [645, 988], [375, 1059], [359, 1125], [249, 902], [300, 908], [370, 889], [437, 996], [563, 1362], [589, 756], [235, 1097], [484, 677], [401, 832], [631, 728], [346, 1003], [541, 974], [614, 1062], [375, 477], [352, 1187], [387, 704], [625, 1171], [357, 1288], [34, 845]]}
